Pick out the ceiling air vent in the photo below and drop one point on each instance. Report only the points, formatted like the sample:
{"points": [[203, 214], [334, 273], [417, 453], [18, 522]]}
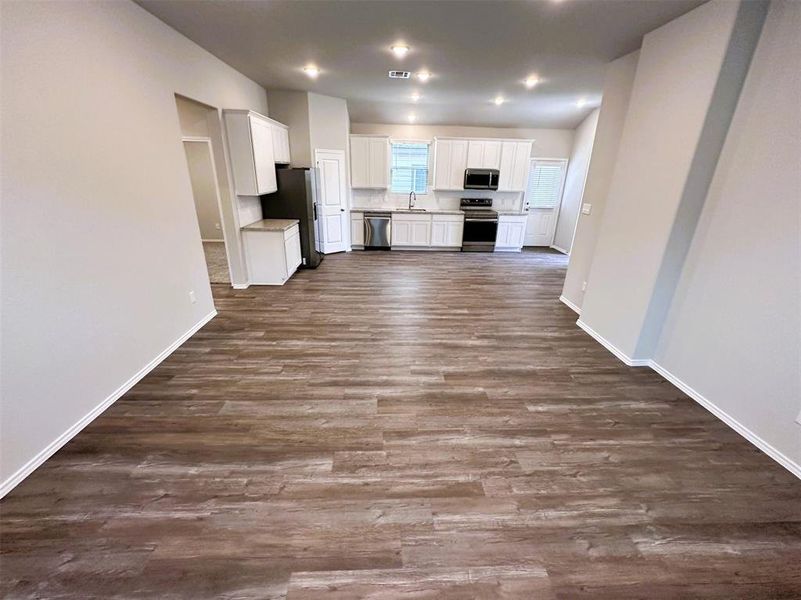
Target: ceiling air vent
{"points": [[399, 74]]}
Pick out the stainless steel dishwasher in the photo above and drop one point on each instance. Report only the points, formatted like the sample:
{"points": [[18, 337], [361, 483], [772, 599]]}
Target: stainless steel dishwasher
{"points": [[377, 230]]}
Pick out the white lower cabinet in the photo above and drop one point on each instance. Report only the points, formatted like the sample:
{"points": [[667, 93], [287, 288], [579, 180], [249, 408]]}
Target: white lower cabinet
{"points": [[272, 255], [357, 230], [410, 230], [511, 233], [446, 231]]}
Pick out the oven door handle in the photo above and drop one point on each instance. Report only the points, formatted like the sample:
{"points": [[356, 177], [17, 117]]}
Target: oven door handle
{"points": [[482, 220]]}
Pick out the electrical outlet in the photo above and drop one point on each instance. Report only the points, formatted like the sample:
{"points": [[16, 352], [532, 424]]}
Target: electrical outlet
{"points": [[192, 298], [217, 226], [303, 260], [586, 209], [583, 286]]}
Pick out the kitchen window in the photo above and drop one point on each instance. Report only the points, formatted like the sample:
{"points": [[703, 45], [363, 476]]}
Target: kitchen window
{"points": [[409, 167]]}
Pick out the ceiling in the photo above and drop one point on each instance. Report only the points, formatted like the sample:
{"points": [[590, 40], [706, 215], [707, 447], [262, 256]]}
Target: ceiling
{"points": [[475, 50]]}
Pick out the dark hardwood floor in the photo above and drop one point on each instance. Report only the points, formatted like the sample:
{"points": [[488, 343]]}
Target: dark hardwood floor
{"points": [[404, 425]]}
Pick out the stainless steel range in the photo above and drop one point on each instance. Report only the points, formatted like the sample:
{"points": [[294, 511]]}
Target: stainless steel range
{"points": [[480, 225]]}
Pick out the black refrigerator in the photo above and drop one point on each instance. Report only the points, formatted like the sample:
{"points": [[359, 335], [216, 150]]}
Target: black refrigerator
{"points": [[296, 198]]}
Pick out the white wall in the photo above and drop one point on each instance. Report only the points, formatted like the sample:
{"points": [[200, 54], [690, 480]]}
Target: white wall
{"points": [[618, 81], [329, 123], [548, 143], [100, 245], [292, 109], [733, 332], [687, 82], [574, 182], [204, 190]]}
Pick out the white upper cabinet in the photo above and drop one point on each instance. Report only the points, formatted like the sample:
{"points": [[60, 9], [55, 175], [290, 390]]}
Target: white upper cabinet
{"points": [[450, 161], [250, 145], [515, 160], [369, 161], [281, 143], [484, 154]]}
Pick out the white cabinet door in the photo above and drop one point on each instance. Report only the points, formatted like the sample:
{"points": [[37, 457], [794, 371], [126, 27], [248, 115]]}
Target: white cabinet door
{"points": [[401, 232], [484, 154], [281, 144], [502, 237], [263, 157], [492, 155], [475, 154], [292, 250], [411, 230], [369, 162], [379, 167], [439, 233], [514, 166], [517, 231], [458, 164], [454, 235], [446, 231], [359, 162], [356, 229], [507, 164], [511, 231], [442, 164], [421, 233], [522, 160]]}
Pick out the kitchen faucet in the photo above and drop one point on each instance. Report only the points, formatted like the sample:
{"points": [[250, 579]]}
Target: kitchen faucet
{"points": [[410, 199]]}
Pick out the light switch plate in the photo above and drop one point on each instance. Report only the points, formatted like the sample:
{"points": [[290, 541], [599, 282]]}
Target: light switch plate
{"points": [[586, 209]]}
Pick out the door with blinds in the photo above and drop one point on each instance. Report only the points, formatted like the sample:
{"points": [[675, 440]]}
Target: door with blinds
{"points": [[546, 181]]}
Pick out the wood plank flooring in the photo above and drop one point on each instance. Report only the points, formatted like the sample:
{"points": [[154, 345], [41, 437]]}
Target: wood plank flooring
{"points": [[403, 425]]}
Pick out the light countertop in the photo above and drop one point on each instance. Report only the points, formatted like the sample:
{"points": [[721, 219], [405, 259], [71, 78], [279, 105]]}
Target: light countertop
{"points": [[427, 211], [271, 225]]}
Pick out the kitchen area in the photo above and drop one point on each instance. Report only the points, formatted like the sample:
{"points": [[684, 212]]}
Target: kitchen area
{"points": [[457, 194], [465, 194]]}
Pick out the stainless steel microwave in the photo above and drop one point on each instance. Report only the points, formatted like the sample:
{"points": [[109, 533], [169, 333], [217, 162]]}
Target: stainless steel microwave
{"points": [[481, 179]]}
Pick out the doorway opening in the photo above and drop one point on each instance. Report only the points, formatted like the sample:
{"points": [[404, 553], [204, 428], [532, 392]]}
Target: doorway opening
{"points": [[543, 198], [205, 191], [201, 137]]}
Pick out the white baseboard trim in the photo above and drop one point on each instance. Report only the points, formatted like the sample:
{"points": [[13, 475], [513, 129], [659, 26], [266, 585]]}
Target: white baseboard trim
{"points": [[29, 467], [240, 286], [632, 362], [752, 437], [570, 305], [562, 250]]}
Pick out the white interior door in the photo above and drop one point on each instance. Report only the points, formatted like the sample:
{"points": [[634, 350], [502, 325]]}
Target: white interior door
{"points": [[332, 213], [546, 181]]}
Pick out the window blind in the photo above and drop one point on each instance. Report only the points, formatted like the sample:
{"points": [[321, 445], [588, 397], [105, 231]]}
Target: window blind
{"points": [[545, 184], [409, 168]]}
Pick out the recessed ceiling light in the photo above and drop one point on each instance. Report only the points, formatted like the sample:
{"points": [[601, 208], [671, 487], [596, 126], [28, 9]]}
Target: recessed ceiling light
{"points": [[531, 81], [415, 97], [412, 118], [423, 76], [399, 50], [311, 71], [499, 100], [581, 102]]}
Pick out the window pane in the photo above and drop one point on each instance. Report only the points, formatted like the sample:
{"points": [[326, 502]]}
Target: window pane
{"points": [[545, 185], [409, 168]]}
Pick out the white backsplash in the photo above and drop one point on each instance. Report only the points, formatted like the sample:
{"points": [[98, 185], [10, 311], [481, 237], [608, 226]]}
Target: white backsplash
{"points": [[380, 199]]}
